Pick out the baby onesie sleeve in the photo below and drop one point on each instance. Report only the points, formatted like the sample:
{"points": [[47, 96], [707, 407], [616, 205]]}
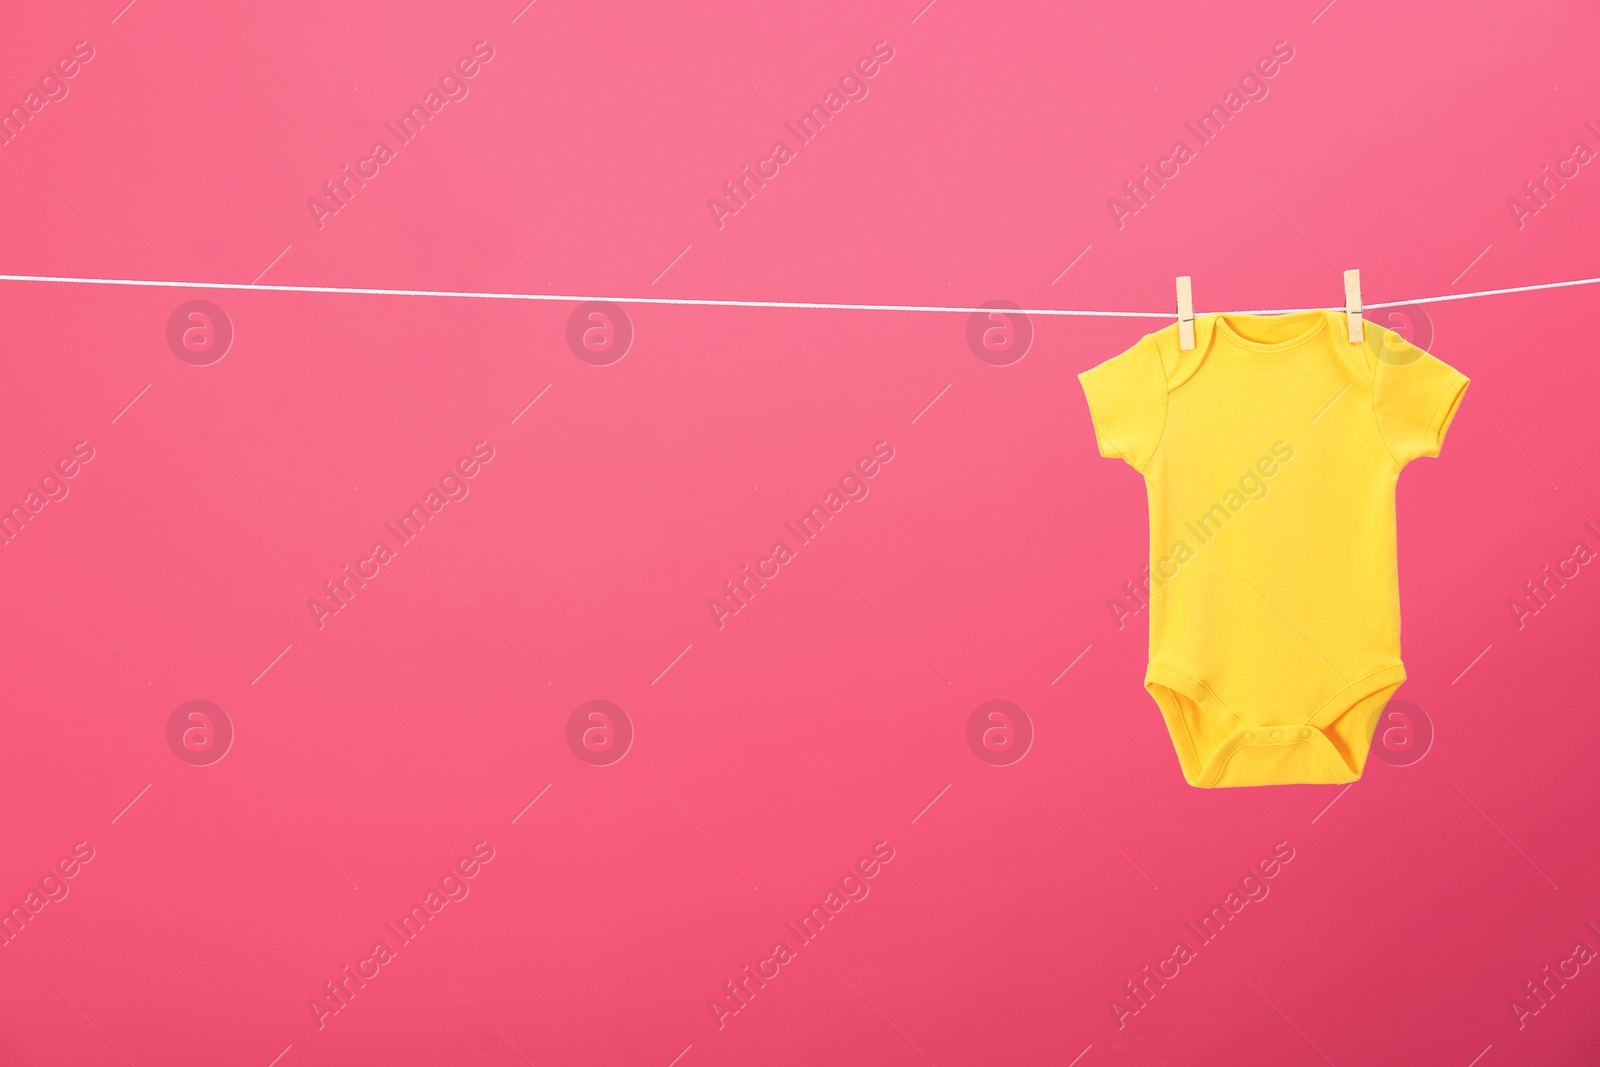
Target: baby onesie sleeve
{"points": [[1415, 400], [1127, 397]]}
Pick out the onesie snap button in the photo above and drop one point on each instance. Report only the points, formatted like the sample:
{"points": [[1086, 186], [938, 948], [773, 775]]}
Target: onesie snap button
{"points": [[1277, 735], [1305, 733], [1248, 736]]}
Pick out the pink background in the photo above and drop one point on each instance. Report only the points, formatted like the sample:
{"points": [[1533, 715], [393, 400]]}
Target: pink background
{"points": [[831, 713]]}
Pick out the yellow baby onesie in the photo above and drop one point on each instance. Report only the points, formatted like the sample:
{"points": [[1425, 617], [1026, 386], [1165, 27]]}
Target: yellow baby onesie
{"points": [[1270, 453]]}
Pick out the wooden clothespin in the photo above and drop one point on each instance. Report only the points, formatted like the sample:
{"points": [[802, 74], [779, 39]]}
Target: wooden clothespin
{"points": [[1352, 304], [1185, 313]]}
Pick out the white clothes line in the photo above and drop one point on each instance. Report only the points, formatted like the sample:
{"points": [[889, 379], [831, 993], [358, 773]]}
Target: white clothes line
{"points": [[692, 302]]}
